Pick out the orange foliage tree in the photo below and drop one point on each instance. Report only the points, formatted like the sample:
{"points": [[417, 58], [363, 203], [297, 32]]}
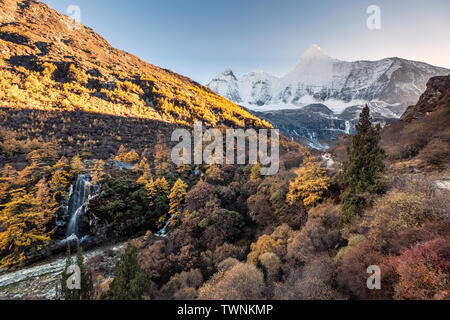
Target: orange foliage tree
{"points": [[311, 183]]}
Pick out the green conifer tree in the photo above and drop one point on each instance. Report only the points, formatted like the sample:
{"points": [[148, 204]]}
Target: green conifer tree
{"points": [[62, 292], [87, 286], [86, 291], [362, 169], [130, 282]]}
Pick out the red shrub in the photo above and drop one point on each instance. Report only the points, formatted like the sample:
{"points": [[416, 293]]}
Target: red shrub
{"points": [[353, 272], [424, 271]]}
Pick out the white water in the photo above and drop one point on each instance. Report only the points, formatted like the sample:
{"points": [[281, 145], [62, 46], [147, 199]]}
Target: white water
{"points": [[347, 127], [40, 278], [83, 192], [163, 232]]}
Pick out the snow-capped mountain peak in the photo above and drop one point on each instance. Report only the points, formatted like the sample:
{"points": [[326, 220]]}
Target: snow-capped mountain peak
{"points": [[389, 84], [227, 74], [227, 84], [313, 53], [315, 69], [257, 71]]}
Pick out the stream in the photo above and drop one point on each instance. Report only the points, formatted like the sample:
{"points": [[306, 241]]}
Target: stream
{"points": [[40, 280]]}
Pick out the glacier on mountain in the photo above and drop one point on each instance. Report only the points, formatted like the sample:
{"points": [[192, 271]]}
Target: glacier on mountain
{"points": [[321, 97], [388, 86]]}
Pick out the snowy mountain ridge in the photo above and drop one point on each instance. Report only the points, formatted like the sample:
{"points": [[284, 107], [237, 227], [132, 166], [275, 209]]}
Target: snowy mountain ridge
{"points": [[389, 85]]}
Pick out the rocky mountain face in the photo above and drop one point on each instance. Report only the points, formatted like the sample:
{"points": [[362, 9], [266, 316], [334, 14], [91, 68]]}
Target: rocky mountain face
{"points": [[316, 125], [436, 96], [420, 139], [388, 86]]}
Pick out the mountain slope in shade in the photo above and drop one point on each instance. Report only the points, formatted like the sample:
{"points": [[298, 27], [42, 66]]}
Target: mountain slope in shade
{"points": [[316, 125], [388, 85], [47, 64]]}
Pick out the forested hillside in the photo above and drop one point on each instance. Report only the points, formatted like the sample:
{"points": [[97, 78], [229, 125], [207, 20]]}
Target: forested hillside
{"points": [[85, 163], [51, 63]]}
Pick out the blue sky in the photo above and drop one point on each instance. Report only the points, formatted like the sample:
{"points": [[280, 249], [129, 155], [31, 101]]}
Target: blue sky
{"points": [[201, 38]]}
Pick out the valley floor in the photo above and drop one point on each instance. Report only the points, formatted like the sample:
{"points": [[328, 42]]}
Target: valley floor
{"points": [[39, 281]]}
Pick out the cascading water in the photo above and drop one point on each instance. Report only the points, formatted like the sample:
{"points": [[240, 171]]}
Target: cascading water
{"points": [[83, 192], [163, 232], [347, 127], [40, 280]]}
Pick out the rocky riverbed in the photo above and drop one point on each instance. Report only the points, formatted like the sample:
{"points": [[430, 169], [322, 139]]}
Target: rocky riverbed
{"points": [[39, 281]]}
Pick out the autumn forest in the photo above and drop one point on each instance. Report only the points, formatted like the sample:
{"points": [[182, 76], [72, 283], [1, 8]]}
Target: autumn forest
{"points": [[86, 177]]}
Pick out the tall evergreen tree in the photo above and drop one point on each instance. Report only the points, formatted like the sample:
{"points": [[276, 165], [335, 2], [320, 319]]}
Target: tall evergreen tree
{"points": [[62, 292], [130, 281], [86, 291], [362, 169], [87, 286]]}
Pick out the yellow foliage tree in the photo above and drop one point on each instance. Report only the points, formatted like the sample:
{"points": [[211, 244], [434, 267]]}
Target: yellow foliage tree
{"points": [[61, 177], [214, 174], [183, 169], [144, 179], [24, 227], [143, 164], [77, 165], [76, 75], [264, 244], [256, 171], [310, 184], [162, 157], [128, 157], [98, 171], [48, 70], [176, 196], [157, 187]]}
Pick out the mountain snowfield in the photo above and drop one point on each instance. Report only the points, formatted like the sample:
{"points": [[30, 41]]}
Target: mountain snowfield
{"points": [[387, 86]]}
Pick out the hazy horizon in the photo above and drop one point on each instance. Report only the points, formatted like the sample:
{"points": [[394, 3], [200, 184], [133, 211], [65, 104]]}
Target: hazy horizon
{"points": [[201, 40]]}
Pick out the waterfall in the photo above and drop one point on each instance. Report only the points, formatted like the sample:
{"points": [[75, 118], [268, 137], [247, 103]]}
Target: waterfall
{"points": [[163, 232], [347, 127], [82, 192]]}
